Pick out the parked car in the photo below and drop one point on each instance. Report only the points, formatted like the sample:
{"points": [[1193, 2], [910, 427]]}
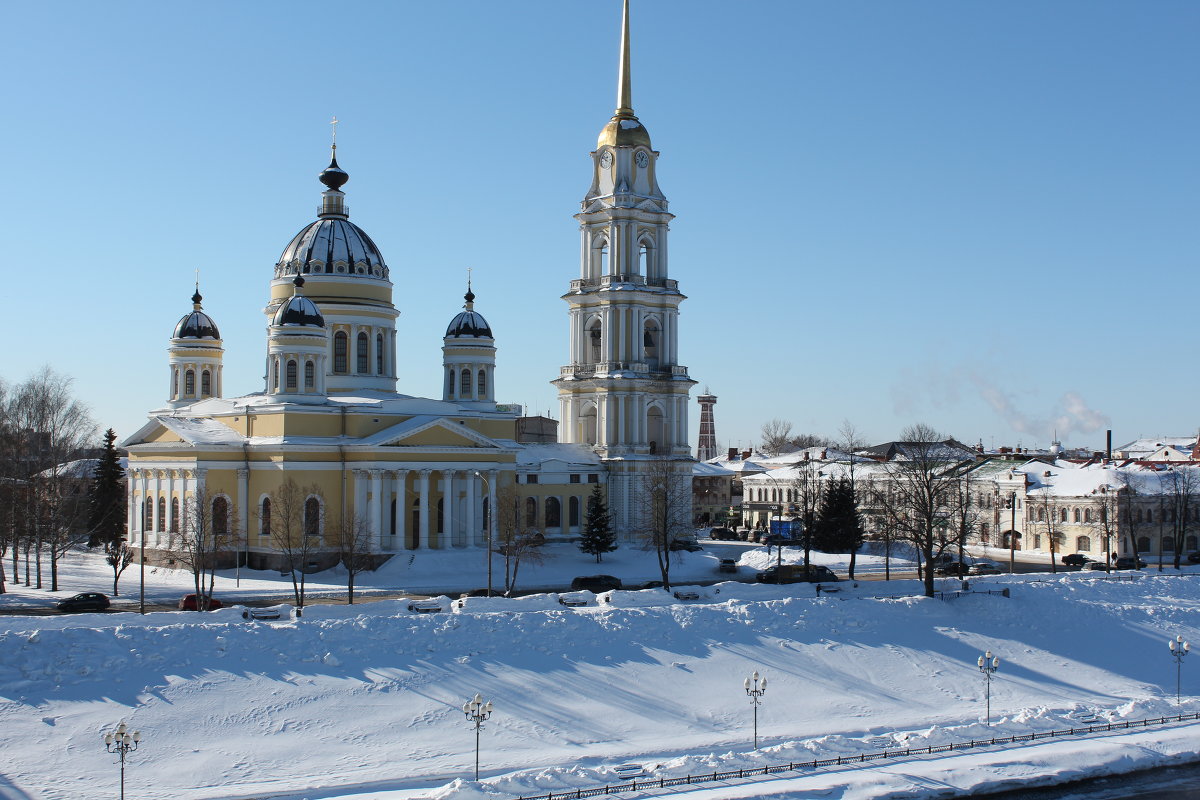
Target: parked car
{"points": [[1075, 560], [85, 601], [651, 585], [1194, 558], [1096, 565], [428, 606], [1129, 562], [796, 573], [690, 545], [983, 568], [596, 583], [722, 534], [955, 569], [727, 565], [189, 603]]}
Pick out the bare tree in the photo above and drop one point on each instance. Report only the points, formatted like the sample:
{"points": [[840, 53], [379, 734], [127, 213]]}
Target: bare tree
{"points": [[776, 434], [667, 503], [1106, 522], [295, 526], [964, 515], [205, 535], [1181, 487], [923, 480], [354, 543], [52, 428], [1041, 505], [809, 489], [517, 529]]}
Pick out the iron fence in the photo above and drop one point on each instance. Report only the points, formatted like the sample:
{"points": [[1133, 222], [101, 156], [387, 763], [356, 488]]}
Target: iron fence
{"points": [[896, 752]]}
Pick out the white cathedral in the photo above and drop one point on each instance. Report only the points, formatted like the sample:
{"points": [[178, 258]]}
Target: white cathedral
{"points": [[421, 473]]}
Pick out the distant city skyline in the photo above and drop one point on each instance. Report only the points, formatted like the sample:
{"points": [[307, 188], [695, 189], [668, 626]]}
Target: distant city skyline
{"points": [[977, 216]]}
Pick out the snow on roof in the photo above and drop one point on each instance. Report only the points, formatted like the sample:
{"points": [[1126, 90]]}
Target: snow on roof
{"points": [[1149, 445], [80, 468], [703, 470], [534, 454], [194, 430]]}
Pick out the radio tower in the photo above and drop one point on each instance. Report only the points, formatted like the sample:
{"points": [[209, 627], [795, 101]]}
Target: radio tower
{"points": [[708, 430]]}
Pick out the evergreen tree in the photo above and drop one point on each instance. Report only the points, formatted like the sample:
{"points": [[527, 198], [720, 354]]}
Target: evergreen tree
{"points": [[106, 509], [598, 537], [839, 527]]}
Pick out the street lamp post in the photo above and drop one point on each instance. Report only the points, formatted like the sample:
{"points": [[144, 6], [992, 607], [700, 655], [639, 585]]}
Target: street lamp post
{"points": [[1179, 649], [491, 521], [122, 741], [756, 687], [477, 711], [142, 581], [988, 664]]}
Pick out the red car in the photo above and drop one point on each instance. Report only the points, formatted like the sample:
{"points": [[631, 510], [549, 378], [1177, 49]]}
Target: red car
{"points": [[188, 603]]}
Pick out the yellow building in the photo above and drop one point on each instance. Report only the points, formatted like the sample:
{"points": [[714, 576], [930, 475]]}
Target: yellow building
{"points": [[418, 473]]}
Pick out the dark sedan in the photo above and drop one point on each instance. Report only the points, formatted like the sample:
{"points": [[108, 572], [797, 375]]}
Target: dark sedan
{"points": [[86, 601]]}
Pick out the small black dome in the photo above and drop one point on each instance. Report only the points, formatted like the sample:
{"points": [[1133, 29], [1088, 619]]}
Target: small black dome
{"points": [[469, 324], [196, 325], [334, 176], [298, 310]]}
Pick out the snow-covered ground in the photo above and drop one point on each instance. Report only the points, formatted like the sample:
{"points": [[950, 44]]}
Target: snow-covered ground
{"points": [[365, 700]]}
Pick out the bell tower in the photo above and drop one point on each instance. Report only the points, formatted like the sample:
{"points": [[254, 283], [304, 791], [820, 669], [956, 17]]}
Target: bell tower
{"points": [[624, 391]]}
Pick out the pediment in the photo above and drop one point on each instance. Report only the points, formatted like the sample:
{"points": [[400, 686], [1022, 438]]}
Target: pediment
{"points": [[432, 432]]}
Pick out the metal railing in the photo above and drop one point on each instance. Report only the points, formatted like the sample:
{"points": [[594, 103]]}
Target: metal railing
{"points": [[896, 752]]}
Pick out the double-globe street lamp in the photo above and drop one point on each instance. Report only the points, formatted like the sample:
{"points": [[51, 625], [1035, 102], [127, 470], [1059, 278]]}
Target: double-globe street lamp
{"points": [[122, 741], [756, 687], [988, 664], [477, 711], [1179, 649]]}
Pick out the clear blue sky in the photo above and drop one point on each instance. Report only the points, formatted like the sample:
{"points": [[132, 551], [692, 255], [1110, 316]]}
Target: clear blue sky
{"points": [[978, 215]]}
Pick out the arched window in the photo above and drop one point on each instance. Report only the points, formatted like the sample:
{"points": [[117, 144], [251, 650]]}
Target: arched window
{"points": [[1138, 516], [220, 516], [481, 384], [531, 512], [174, 523], [291, 375], [1041, 515], [189, 383], [650, 345], [205, 383], [1168, 544], [656, 430], [1077, 515], [148, 515], [310, 376], [604, 263], [1087, 515], [379, 354], [464, 385], [553, 512], [644, 259], [573, 511], [275, 375], [312, 517], [1083, 544], [984, 532], [1143, 544], [175, 383], [162, 513], [361, 352], [1063, 516], [587, 425], [264, 518], [340, 353], [594, 338]]}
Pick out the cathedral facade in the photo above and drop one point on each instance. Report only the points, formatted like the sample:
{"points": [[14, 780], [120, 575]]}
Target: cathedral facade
{"points": [[416, 473]]}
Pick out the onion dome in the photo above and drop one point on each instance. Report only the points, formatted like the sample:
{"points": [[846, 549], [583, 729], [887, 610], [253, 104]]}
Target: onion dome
{"points": [[332, 245], [469, 323], [298, 310], [196, 325]]}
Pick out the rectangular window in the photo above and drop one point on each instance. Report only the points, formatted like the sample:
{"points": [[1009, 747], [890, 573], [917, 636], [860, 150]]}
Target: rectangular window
{"points": [[593, 478], [531, 478], [574, 479]]}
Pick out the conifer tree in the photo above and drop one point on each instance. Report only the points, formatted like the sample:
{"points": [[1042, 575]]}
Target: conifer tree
{"points": [[839, 527], [598, 537], [106, 509]]}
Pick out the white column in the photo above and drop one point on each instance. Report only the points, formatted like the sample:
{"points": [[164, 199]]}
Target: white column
{"points": [[377, 506], [423, 531], [141, 513], [131, 504], [472, 537], [401, 478], [157, 524], [360, 495], [170, 501], [448, 508]]}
